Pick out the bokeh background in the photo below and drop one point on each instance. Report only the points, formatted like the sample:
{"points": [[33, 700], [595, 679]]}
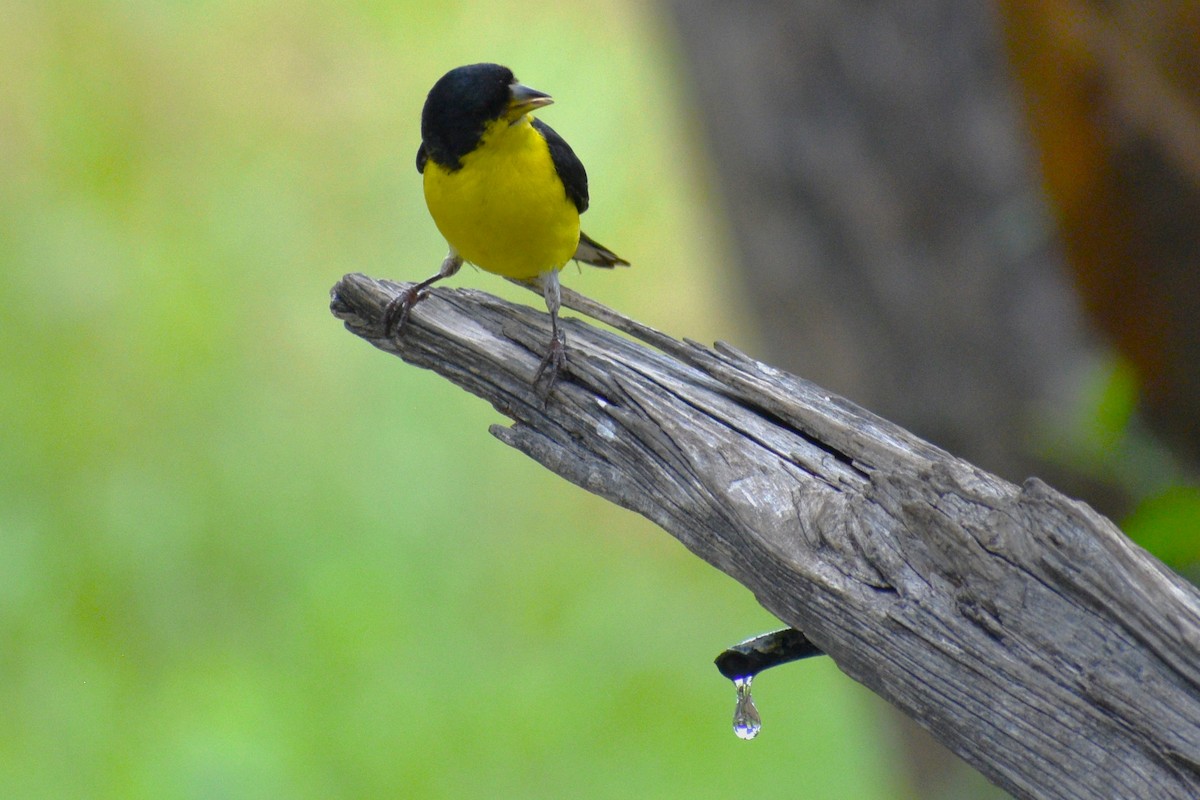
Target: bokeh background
{"points": [[245, 555]]}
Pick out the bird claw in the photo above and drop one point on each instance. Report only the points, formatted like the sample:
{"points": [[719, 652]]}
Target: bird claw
{"points": [[395, 313], [547, 372]]}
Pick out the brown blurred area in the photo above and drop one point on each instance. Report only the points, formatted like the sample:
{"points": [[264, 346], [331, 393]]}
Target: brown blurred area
{"points": [[1112, 94]]}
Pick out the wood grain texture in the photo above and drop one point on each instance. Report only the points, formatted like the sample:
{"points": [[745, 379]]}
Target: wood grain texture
{"points": [[1020, 627]]}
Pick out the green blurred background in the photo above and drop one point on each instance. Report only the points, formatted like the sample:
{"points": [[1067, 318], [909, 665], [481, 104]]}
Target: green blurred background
{"points": [[243, 554]]}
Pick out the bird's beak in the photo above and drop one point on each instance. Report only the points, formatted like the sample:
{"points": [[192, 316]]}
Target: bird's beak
{"points": [[524, 99]]}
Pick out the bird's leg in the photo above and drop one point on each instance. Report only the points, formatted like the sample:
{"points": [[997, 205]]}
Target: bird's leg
{"points": [[556, 356], [395, 314]]}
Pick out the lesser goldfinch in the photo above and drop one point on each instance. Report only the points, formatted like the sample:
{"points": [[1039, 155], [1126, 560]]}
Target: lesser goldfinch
{"points": [[504, 189]]}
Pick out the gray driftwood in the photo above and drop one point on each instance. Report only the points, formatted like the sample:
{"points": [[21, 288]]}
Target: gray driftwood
{"points": [[1020, 627]]}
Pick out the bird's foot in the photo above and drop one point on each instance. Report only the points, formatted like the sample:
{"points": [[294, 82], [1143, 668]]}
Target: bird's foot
{"points": [[395, 313], [547, 372]]}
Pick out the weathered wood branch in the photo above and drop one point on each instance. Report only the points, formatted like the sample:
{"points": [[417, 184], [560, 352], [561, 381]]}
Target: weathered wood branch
{"points": [[1019, 626]]}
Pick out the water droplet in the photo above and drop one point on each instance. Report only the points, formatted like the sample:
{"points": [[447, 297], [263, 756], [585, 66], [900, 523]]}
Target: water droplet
{"points": [[746, 721]]}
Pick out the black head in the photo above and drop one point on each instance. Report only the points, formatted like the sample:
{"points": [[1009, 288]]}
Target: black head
{"points": [[459, 107]]}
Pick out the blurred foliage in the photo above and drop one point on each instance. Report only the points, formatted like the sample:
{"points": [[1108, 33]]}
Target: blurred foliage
{"points": [[1158, 521], [242, 554]]}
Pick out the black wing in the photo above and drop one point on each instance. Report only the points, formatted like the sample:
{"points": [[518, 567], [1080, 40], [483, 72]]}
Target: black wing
{"points": [[570, 170], [422, 158]]}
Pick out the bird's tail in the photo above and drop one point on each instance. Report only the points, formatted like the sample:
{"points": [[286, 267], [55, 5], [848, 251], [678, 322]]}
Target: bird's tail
{"points": [[592, 252]]}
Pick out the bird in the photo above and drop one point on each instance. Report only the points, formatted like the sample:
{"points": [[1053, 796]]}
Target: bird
{"points": [[505, 191]]}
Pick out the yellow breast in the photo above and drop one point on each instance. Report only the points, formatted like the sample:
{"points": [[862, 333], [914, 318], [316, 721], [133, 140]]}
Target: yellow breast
{"points": [[505, 210]]}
